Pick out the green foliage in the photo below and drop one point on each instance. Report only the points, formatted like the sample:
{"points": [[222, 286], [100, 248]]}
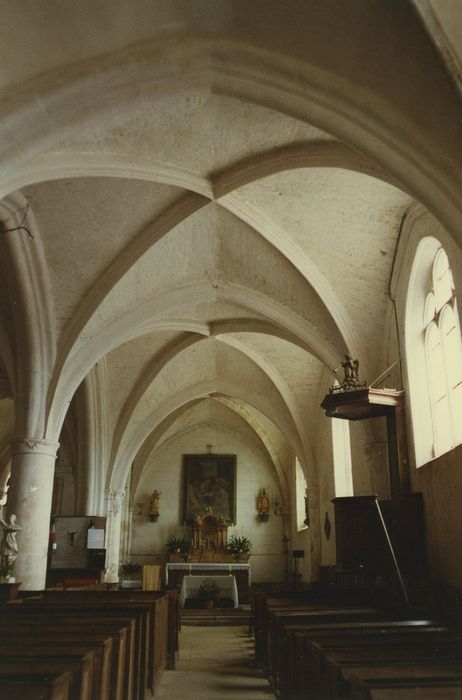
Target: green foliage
{"points": [[175, 544], [129, 568], [209, 590], [238, 546]]}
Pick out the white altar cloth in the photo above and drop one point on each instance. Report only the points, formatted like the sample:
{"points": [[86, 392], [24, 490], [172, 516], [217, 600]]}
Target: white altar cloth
{"points": [[190, 567], [191, 584]]}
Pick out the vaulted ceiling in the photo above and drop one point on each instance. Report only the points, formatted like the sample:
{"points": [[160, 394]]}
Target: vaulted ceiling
{"points": [[214, 192]]}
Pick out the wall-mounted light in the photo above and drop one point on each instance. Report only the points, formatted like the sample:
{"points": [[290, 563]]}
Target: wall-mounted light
{"points": [[154, 509], [263, 506]]}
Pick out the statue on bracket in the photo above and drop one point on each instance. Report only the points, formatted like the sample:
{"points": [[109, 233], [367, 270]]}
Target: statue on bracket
{"points": [[351, 376], [263, 506], [154, 509]]}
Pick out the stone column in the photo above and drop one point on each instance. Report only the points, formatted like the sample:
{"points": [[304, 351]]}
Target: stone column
{"points": [[29, 498], [114, 500]]}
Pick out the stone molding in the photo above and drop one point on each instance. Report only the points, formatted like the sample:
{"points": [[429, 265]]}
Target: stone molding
{"points": [[32, 445]]}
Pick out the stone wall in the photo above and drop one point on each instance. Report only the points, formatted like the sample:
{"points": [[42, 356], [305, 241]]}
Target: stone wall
{"points": [[163, 472]]}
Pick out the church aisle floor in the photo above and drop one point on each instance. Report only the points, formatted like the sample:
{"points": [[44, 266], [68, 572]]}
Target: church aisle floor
{"points": [[216, 663]]}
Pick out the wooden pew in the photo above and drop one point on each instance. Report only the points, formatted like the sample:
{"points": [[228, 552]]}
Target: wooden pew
{"points": [[40, 626], [262, 603], [121, 629], [154, 607], [431, 675], [81, 670], [426, 689], [279, 617], [394, 646], [36, 646], [35, 686], [135, 677], [296, 666], [154, 639], [333, 666]]}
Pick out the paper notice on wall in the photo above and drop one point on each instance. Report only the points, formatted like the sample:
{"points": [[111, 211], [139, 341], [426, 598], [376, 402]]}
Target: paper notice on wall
{"points": [[95, 538]]}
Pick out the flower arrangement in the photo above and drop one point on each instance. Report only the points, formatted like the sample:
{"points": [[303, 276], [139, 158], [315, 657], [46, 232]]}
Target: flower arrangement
{"points": [[129, 569], [239, 546], [209, 591]]}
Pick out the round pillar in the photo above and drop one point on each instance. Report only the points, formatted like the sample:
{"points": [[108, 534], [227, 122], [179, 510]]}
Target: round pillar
{"points": [[114, 501], [29, 498]]}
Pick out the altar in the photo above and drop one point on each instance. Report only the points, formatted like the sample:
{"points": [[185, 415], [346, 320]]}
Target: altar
{"points": [[191, 584], [176, 571]]}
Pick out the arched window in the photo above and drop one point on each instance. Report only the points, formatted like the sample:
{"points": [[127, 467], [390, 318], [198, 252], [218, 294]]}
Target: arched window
{"points": [[300, 495], [434, 354]]}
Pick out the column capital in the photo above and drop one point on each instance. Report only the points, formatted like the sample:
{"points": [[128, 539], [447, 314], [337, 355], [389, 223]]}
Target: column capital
{"points": [[35, 446]]}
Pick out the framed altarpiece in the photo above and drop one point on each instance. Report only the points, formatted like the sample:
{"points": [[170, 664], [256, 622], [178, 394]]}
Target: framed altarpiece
{"points": [[209, 484]]}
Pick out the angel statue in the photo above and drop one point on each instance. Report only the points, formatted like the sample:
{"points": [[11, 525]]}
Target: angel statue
{"points": [[351, 371], [9, 546], [350, 378]]}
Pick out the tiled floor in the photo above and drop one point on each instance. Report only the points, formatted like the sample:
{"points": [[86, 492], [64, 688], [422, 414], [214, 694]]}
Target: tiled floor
{"points": [[216, 663]]}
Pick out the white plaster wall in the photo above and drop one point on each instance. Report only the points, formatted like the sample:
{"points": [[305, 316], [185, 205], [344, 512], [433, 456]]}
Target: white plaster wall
{"points": [[440, 480], [324, 460], [369, 461], [163, 472]]}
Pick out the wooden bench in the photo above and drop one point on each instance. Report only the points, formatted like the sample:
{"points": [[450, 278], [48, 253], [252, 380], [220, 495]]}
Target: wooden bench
{"points": [[153, 637], [431, 675], [296, 666], [90, 614], [141, 627], [55, 647], [333, 666], [81, 670], [349, 646], [279, 617], [40, 626], [427, 689], [35, 686]]}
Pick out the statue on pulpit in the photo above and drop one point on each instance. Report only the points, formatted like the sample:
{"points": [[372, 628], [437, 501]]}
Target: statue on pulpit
{"points": [[350, 376]]}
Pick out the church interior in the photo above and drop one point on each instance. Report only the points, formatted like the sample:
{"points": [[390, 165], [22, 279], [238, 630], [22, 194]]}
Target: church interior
{"points": [[230, 339]]}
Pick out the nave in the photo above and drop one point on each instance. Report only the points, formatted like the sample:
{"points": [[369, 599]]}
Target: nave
{"points": [[230, 344], [216, 663]]}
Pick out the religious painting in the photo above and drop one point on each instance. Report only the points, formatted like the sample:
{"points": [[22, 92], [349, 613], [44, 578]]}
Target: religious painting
{"points": [[209, 483]]}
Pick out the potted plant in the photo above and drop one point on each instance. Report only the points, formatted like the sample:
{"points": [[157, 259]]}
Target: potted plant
{"points": [[239, 547], [178, 548], [130, 574], [209, 593]]}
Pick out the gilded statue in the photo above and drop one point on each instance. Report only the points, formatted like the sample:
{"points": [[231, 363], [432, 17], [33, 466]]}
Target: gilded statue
{"points": [[263, 501]]}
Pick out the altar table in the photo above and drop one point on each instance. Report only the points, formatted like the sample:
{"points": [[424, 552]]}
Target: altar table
{"points": [[175, 571], [191, 584]]}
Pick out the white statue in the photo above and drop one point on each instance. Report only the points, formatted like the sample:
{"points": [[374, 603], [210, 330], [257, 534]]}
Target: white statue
{"points": [[9, 547]]}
